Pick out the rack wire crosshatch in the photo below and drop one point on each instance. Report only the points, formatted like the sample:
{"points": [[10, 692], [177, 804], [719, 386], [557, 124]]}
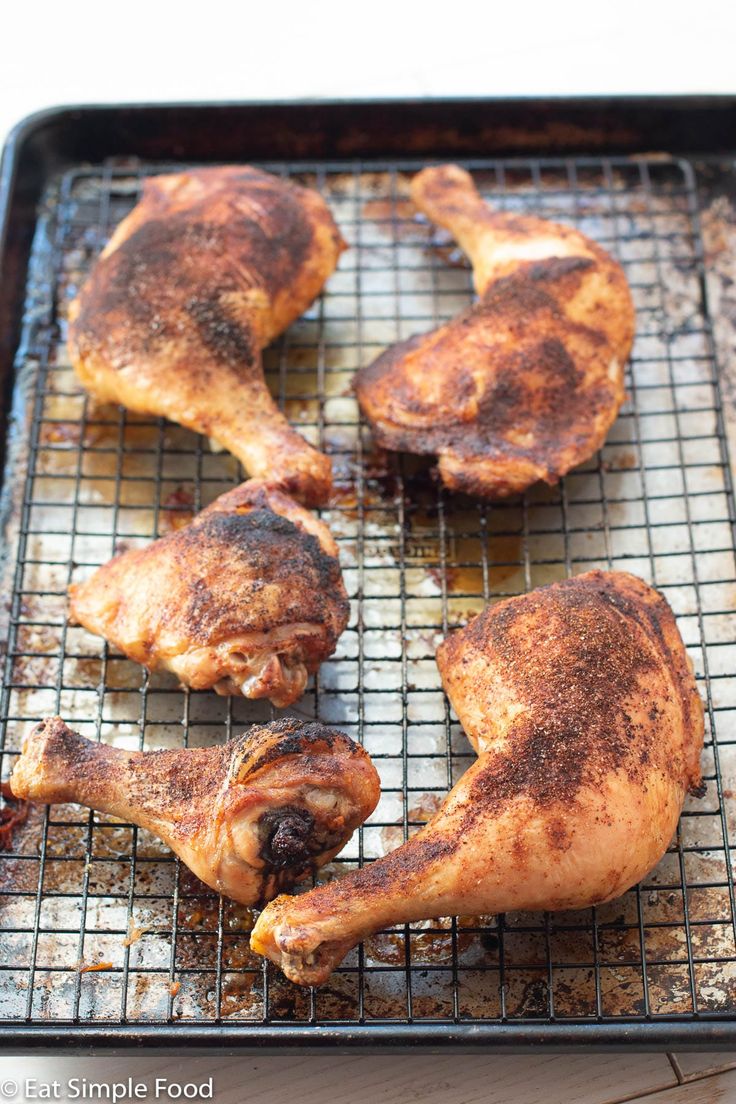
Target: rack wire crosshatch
{"points": [[101, 926]]}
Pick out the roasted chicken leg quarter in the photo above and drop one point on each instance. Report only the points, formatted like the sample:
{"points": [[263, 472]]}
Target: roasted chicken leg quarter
{"points": [[526, 383], [580, 699], [207, 269], [249, 817], [246, 599]]}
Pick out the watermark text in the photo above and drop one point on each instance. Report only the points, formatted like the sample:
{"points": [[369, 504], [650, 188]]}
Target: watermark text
{"points": [[84, 1088]]}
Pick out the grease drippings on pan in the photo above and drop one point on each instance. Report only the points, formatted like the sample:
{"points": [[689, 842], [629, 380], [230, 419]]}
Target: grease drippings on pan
{"points": [[416, 561]]}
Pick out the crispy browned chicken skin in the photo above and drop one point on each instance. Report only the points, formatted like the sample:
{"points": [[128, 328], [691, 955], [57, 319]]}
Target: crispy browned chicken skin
{"points": [[526, 383], [247, 599], [205, 271], [248, 817], [580, 700]]}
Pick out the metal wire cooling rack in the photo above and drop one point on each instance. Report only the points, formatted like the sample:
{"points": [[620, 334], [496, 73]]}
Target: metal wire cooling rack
{"points": [[102, 928]]}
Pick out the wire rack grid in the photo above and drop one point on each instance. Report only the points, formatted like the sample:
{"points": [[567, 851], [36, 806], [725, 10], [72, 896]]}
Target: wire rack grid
{"points": [[101, 925]]}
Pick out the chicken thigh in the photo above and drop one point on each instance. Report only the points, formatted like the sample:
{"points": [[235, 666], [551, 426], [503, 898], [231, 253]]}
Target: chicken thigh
{"points": [[524, 384], [249, 817], [205, 271], [580, 699], [247, 599]]}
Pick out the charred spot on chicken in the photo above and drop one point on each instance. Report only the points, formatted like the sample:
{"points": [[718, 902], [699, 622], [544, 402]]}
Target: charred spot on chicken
{"points": [[286, 836]]}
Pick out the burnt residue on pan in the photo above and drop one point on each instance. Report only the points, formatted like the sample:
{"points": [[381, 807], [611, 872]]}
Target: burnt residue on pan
{"points": [[416, 561]]}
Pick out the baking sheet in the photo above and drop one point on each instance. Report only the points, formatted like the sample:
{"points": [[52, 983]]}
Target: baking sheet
{"points": [[82, 891]]}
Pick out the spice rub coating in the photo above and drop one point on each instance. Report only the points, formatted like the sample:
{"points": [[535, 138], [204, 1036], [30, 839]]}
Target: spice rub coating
{"points": [[589, 676], [249, 818], [207, 269], [524, 384], [580, 700], [246, 599]]}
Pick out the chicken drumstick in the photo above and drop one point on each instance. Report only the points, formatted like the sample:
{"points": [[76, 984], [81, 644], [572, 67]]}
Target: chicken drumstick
{"points": [[524, 384], [249, 817], [246, 599], [580, 699], [206, 270]]}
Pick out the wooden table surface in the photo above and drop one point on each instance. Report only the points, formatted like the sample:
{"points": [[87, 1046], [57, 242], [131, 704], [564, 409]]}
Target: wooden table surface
{"points": [[431, 1079]]}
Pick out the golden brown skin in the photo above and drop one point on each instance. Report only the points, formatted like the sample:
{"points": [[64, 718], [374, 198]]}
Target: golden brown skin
{"points": [[580, 699], [526, 383], [247, 599], [206, 270], [249, 817]]}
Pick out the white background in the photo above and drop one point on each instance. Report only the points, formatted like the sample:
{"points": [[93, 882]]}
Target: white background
{"points": [[64, 52], [146, 51]]}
